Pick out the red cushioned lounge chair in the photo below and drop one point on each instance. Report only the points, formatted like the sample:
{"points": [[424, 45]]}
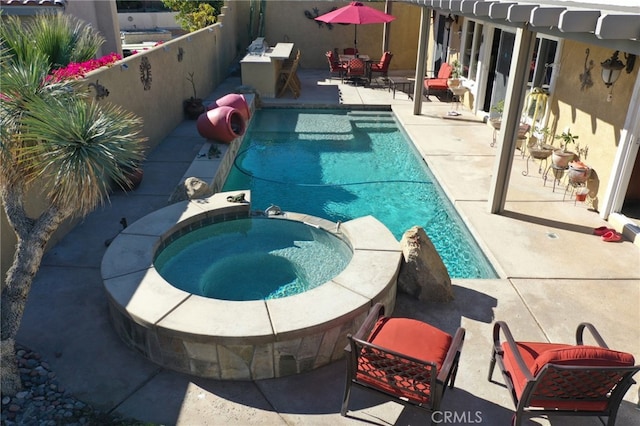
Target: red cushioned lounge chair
{"points": [[562, 379], [408, 361], [438, 83]]}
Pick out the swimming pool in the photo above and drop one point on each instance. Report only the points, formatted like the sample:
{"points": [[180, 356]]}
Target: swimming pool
{"points": [[342, 164]]}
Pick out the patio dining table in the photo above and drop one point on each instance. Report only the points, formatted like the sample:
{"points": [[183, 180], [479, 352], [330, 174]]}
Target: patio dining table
{"points": [[347, 58]]}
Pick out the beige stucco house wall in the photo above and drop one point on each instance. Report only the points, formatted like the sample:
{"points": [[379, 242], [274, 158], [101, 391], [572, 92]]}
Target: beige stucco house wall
{"points": [[588, 114]]}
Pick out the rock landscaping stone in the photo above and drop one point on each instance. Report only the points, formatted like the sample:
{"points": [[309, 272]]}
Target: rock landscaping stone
{"points": [[423, 275], [44, 402]]}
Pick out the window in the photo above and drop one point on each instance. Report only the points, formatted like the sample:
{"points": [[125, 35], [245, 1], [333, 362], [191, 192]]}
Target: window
{"points": [[471, 50]]}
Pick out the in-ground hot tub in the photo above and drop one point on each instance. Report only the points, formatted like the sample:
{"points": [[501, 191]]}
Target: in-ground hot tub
{"points": [[251, 258], [243, 340]]}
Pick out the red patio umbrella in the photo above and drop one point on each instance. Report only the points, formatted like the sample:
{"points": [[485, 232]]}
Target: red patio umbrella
{"points": [[358, 14]]}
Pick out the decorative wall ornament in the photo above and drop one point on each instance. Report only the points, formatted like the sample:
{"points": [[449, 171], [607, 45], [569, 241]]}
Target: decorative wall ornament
{"points": [[101, 91], [180, 54], [585, 77], [145, 73], [317, 13]]}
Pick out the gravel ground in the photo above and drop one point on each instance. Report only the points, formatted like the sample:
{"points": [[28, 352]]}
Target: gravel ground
{"points": [[45, 402]]}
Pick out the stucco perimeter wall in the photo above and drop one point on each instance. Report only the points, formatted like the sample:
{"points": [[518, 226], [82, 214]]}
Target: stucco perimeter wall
{"points": [[285, 21], [587, 113], [207, 53]]}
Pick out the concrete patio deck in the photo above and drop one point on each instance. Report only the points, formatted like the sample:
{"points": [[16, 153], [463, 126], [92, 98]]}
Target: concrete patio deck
{"points": [[554, 275]]}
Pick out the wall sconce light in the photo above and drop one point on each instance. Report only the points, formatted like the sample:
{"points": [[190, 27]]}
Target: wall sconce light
{"points": [[612, 67], [124, 67]]}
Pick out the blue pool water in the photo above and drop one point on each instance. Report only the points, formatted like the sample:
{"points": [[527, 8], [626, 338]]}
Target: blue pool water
{"points": [[340, 165], [252, 259]]}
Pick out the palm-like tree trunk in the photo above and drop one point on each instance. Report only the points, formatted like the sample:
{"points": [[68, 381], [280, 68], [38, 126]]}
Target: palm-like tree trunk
{"points": [[32, 239]]}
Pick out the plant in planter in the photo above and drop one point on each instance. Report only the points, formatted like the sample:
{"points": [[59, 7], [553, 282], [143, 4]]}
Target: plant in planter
{"points": [[193, 106], [498, 108], [539, 148], [561, 157], [456, 73]]}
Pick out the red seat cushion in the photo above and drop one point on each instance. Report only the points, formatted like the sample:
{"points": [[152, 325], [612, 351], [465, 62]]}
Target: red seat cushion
{"points": [[436, 83], [536, 355], [411, 338], [440, 82]]}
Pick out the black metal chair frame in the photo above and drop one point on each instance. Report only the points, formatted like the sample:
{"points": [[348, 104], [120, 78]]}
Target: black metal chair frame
{"points": [[614, 381], [410, 368]]}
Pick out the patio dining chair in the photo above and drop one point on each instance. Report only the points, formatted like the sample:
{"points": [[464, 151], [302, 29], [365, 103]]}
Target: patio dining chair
{"points": [[288, 78], [350, 51], [335, 66], [381, 67], [356, 71], [562, 379], [406, 360]]}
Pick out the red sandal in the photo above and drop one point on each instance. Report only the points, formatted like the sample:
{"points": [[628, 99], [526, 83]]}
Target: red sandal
{"points": [[602, 230], [612, 237]]}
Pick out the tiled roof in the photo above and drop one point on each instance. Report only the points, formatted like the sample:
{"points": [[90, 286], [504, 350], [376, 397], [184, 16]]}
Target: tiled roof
{"points": [[30, 7]]}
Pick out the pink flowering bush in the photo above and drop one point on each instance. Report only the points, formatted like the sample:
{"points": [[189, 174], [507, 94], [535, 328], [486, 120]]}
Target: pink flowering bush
{"points": [[77, 70]]}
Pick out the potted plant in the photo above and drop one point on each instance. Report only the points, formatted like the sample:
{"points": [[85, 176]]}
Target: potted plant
{"points": [[456, 73], [498, 108], [193, 106], [562, 156], [539, 148]]}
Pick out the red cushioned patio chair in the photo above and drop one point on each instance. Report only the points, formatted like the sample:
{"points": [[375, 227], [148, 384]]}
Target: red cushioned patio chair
{"points": [[356, 71], [562, 379], [438, 83], [408, 361], [381, 67], [335, 66]]}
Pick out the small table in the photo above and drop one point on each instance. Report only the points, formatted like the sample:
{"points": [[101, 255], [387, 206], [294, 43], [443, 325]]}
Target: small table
{"points": [[402, 83], [458, 93]]}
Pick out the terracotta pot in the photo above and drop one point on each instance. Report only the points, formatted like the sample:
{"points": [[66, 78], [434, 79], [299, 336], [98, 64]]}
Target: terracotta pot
{"points": [[234, 100], [581, 194], [453, 82], [562, 158], [221, 124], [134, 179]]}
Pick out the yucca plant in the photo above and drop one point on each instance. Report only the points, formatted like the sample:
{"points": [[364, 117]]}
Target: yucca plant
{"points": [[55, 139]]}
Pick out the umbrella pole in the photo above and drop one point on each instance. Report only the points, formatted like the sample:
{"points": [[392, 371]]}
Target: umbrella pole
{"points": [[355, 38]]}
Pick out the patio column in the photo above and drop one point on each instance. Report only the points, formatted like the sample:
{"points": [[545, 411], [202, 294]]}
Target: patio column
{"points": [[387, 26], [420, 61], [514, 102]]}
